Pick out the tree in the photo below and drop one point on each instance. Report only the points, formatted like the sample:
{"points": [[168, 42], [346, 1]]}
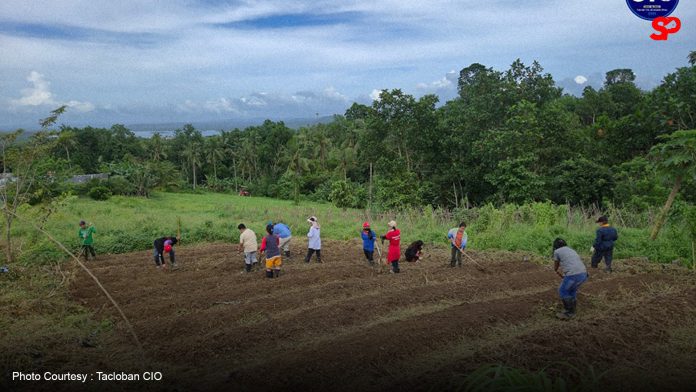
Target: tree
{"points": [[68, 140], [676, 157], [214, 152], [692, 58], [192, 155], [621, 75], [28, 172]]}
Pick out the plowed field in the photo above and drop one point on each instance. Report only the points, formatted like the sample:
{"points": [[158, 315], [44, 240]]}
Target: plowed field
{"points": [[342, 325]]}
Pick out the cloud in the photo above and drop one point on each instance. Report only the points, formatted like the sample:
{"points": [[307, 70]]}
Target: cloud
{"points": [[580, 79], [447, 82], [40, 95], [374, 95]]}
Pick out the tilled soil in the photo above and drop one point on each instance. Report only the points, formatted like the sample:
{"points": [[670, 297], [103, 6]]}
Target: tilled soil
{"points": [[342, 325]]}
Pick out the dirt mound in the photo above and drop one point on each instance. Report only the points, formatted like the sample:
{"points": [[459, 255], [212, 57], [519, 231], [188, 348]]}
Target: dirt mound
{"points": [[342, 325]]}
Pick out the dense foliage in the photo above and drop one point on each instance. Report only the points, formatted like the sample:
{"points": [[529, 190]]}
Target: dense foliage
{"points": [[510, 137]]}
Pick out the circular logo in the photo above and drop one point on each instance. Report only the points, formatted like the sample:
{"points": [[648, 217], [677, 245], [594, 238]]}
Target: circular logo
{"points": [[651, 9]]}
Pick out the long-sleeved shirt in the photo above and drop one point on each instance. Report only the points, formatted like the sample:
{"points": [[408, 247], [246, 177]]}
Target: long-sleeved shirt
{"points": [[159, 243], [394, 238], [314, 238], [606, 236], [368, 237]]}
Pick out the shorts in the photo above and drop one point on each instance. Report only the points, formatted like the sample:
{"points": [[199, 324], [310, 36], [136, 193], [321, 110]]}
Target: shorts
{"points": [[274, 262], [250, 257]]}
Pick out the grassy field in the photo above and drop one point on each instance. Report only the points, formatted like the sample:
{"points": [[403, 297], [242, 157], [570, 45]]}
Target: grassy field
{"points": [[56, 319], [127, 224]]}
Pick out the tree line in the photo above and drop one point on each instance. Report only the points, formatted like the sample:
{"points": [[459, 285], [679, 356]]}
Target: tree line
{"points": [[510, 136]]}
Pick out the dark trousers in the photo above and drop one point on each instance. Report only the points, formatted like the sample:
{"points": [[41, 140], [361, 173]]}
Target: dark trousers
{"points": [[456, 257], [607, 255], [369, 255], [159, 256], [395, 266], [310, 252], [86, 250]]}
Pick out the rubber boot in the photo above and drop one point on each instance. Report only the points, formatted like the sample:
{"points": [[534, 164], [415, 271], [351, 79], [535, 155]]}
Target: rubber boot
{"points": [[287, 254], [573, 303], [269, 273], [276, 273], [568, 311], [247, 267]]}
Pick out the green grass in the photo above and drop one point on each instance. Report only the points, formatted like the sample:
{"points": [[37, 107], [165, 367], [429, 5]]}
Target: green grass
{"points": [[127, 224]]}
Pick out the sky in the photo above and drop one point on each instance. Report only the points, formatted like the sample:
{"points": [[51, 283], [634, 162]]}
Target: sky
{"points": [[155, 61]]}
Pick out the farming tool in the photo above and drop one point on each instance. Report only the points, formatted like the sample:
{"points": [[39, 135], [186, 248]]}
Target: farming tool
{"points": [[379, 252], [480, 267]]}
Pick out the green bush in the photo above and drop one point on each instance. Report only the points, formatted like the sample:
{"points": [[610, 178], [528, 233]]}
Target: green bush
{"points": [[100, 193]]}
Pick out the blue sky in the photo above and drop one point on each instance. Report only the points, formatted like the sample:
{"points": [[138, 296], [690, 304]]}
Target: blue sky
{"points": [[136, 61]]}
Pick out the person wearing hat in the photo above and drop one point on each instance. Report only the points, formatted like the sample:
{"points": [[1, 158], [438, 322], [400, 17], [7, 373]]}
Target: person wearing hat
{"points": [[270, 245], [574, 274], [458, 239], [368, 238], [165, 245], [603, 246], [85, 233], [394, 253], [314, 243]]}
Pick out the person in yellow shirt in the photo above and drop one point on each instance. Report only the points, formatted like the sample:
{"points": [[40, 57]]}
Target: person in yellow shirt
{"points": [[248, 244]]}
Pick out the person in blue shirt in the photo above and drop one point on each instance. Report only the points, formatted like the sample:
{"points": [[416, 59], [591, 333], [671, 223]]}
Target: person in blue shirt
{"points": [[369, 237], [603, 245], [283, 231]]}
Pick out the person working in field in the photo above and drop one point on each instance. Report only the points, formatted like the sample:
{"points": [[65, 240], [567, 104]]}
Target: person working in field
{"points": [[573, 273], [85, 233], [394, 253], [414, 252], [248, 245], [283, 231], [458, 239], [314, 243], [270, 245], [603, 246], [368, 238], [165, 245]]}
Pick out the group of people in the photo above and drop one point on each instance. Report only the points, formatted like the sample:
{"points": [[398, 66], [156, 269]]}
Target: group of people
{"points": [[275, 245], [276, 240]]}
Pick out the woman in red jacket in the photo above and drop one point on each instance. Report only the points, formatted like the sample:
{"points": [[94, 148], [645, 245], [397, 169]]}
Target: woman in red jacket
{"points": [[394, 238]]}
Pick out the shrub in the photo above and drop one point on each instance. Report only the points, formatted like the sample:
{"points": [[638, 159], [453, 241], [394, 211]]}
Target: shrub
{"points": [[100, 193]]}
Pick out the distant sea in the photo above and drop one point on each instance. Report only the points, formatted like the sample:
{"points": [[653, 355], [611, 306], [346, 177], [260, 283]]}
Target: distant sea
{"points": [[207, 128]]}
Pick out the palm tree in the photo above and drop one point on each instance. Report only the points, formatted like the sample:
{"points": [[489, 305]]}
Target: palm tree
{"points": [[156, 146], [192, 155], [676, 157], [298, 165], [214, 153], [67, 139]]}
